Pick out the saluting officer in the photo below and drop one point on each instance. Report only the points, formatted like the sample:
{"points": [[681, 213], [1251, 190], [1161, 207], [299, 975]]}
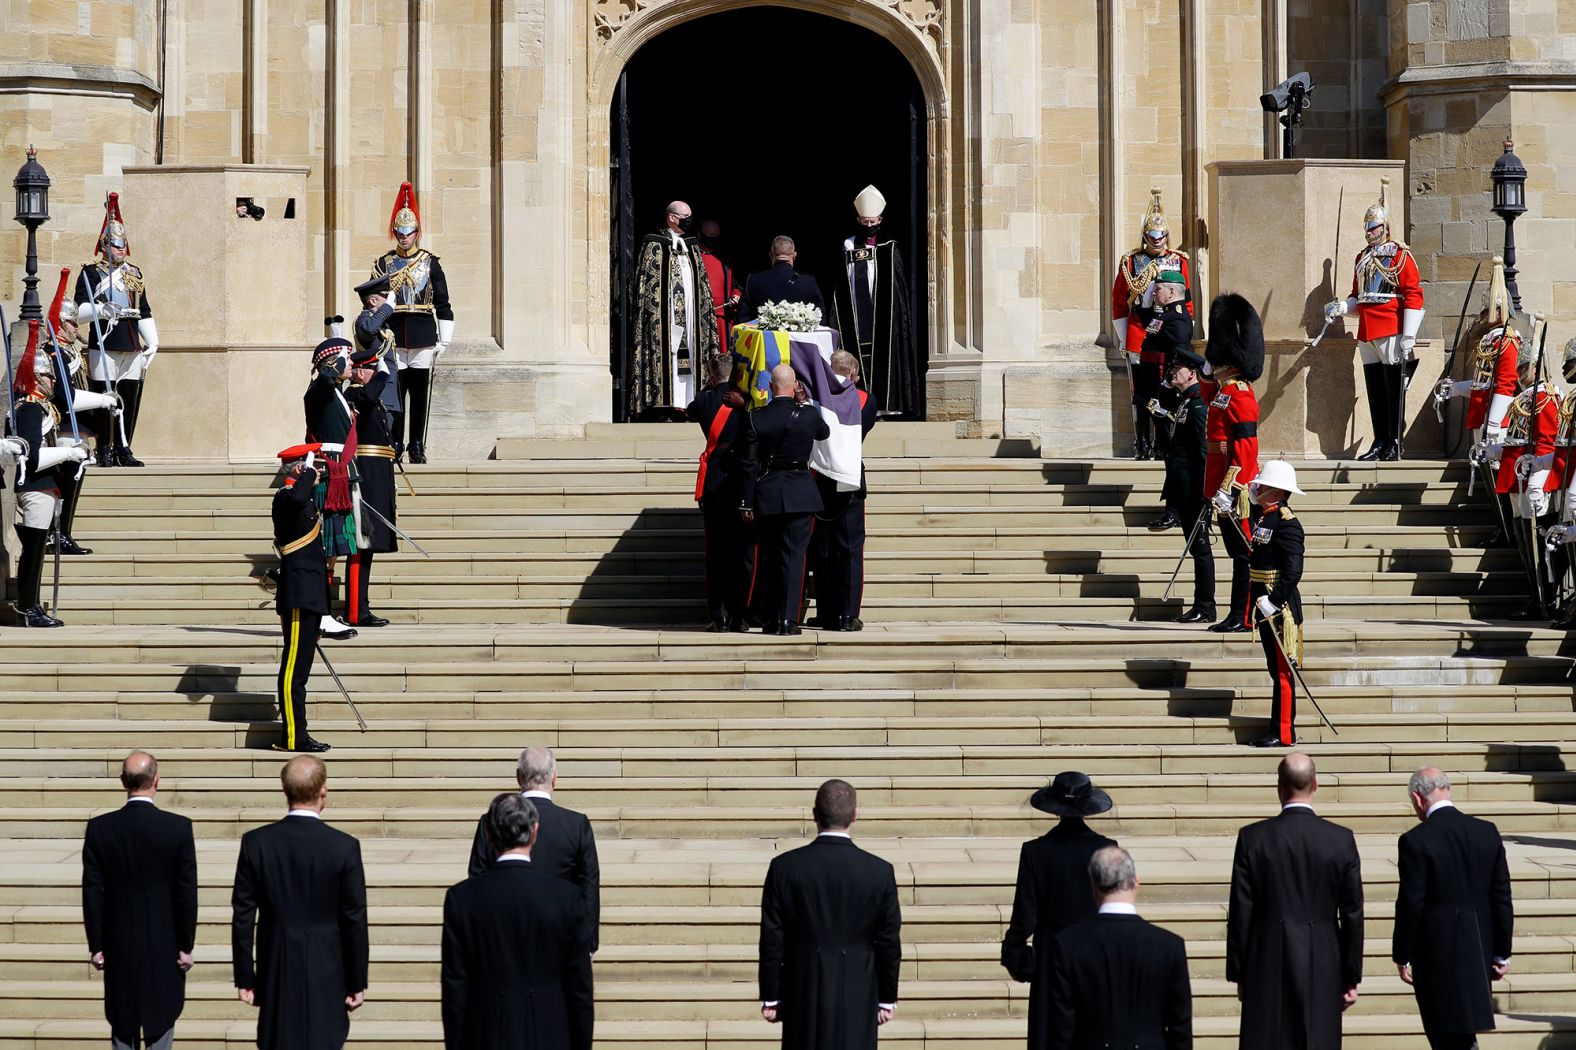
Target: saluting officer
{"points": [[719, 408], [780, 494], [302, 597], [1235, 356], [367, 394], [1169, 330], [1277, 541], [1185, 475]]}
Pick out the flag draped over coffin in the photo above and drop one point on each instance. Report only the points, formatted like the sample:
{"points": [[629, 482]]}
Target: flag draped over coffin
{"points": [[838, 456]]}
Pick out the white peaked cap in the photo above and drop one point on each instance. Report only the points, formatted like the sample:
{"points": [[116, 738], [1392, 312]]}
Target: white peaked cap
{"points": [[1278, 474], [870, 204]]}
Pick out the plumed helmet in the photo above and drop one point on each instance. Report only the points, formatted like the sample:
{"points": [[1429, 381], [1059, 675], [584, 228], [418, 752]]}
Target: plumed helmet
{"points": [[1156, 230], [1499, 304], [1236, 336], [113, 231], [59, 300], [1376, 220], [1568, 361], [405, 218], [33, 364]]}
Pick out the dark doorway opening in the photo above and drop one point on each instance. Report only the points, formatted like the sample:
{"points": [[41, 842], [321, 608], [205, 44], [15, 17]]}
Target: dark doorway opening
{"points": [[769, 121]]}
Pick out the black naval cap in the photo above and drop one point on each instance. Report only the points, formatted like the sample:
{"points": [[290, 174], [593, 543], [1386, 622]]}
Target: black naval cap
{"points": [[378, 285], [1185, 357]]}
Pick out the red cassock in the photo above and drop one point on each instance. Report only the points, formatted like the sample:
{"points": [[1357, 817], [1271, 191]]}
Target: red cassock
{"points": [[1121, 291], [1541, 431], [720, 276], [1381, 319], [1231, 433], [1502, 380]]}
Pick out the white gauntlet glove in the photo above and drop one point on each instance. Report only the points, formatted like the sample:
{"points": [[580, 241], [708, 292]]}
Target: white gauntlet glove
{"points": [[148, 333], [53, 457], [1265, 606], [1224, 501], [1411, 321], [89, 400], [1337, 308], [14, 446]]}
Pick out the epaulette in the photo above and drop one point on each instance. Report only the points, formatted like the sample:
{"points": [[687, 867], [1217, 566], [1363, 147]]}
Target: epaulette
{"points": [[1286, 514], [1239, 383], [132, 270]]}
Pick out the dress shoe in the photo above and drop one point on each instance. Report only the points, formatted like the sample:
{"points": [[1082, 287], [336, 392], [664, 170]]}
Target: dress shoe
{"points": [[850, 623], [371, 619], [103, 456], [1231, 625], [772, 628], [336, 629], [417, 453], [1168, 520], [1197, 616], [1391, 453], [124, 458], [272, 574], [789, 629], [1143, 450], [307, 747], [67, 546], [716, 627], [36, 617], [1374, 452], [1271, 741]]}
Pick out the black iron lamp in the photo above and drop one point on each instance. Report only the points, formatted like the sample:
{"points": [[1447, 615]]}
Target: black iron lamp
{"points": [[32, 211], [1510, 200]]}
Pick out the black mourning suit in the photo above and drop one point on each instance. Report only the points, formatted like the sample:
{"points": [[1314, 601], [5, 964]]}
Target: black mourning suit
{"points": [[306, 879], [516, 964], [139, 904], [838, 550], [781, 284], [565, 849], [830, 949], [779, 487], [1119, 981], [1294, 929], [1053, 893], [1453, 917], [730, 547]]}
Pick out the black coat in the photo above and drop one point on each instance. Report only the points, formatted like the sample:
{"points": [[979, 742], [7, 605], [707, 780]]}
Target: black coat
{"points": [[139, 904], [781, 284], [1119, 981], [724, 473], [516, 965], [1453, 916], [1053, 893], [776, 449], [122, 337], [376, 473], [830, 949], [35, 425], [1278, 543], [415, 325], [565, 849], [1294, 929], [306, 879], [1185, 455], [1170, 329], [303, 573]]}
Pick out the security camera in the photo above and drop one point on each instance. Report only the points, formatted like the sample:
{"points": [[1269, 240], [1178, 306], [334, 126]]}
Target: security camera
{"points": [[1288, 94]]}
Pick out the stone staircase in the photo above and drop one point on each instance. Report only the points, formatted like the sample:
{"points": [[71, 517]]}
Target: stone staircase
{"points": [[1015, 628]]}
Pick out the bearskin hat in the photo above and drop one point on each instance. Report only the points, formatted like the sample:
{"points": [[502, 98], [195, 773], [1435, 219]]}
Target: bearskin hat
{"points": [[1236, 336]]}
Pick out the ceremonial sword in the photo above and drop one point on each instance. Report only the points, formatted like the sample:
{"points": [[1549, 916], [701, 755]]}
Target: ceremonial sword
{"points": [[1334, 262], [1281, 647], [321, 655], [395, 529], [1192, 536], [100, 332], [1455, 344], [10, 398], [1533, 417], [69, 396]]}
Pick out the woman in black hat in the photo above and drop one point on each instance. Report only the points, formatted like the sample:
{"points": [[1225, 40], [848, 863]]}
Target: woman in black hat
{"points": [[1053, 889]]}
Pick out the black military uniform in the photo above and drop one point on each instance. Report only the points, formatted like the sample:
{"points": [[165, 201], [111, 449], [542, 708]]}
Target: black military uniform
{"points": [[719, 489], [374, 464], [781, 284], [85, 401], [302, 596], [1168, 331], [1185, 479], [1275, 568], [780, 490], [837, 550]]}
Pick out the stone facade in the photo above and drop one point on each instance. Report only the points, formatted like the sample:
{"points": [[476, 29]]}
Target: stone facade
{"points": [[1046, 123]]}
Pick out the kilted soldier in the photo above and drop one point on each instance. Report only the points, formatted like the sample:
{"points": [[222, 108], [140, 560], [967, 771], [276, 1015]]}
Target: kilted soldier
{"points": [[719, 488], [1168, 331], [1387, 294], [1234, 356], [302, 597], [85, 401], [1132, 303], [112, 307], [38, 475], [1277, 541], [1185, 470], [423, 322], [332, 426], [370, 378], [837, 546]]}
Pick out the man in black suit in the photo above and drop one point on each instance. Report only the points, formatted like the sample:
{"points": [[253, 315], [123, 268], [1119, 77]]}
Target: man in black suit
{"points": [[306, 878], [1054, 891], [516, 962], [830, 946], [780, 495], [1294, 925], [719, 486], [139, 904], [565, 846], [838, 543], [782, 283], [1453, 914], [1117, 980]]}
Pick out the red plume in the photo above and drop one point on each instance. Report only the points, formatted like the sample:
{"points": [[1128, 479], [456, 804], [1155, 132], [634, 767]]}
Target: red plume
{"points": [[60, 298], [111, 213], [405, 198], [26, 381]]}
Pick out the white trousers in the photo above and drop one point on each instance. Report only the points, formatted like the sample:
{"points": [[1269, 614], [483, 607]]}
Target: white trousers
{"points": [[36, 509], [417, 357], [110, 366], [1386, 351]]}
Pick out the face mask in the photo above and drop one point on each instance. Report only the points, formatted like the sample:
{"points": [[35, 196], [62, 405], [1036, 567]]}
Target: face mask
{"points": [[686, 223], [864, 234]]}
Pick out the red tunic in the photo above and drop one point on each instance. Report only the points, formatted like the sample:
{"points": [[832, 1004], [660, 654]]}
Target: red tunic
{"points": [[1541, 431], [1399, 286], [1502, 380], [1128, 308], [720, 277], [1231, 431]]}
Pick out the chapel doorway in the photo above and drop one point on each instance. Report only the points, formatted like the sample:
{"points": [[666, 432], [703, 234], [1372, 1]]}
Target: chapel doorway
{"points": [[770, 121]]}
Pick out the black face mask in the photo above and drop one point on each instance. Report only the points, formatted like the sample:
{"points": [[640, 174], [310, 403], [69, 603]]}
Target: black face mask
{"points": [[863, 233], [686, 223]]}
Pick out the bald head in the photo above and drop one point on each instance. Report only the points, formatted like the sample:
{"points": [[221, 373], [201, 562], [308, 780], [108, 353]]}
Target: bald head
{"points": [[305, 780], [680, 216], [783, 380], [139, 774], [1296, 779], [783, 249]]}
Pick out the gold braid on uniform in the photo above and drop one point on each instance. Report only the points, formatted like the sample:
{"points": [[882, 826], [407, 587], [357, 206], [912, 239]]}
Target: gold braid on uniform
{"points": [[1372, 267], [1484, 358], [132, 278], [49, 406], [1565, 433], [1518, 419], [1138, 283]]}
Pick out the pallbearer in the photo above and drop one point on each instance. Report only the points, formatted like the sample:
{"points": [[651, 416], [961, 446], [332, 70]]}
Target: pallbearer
{"points": [[112, 302], [1387, 294], [302, 597], [1277, 541], [1132, 307], [1234, 357], [423, 322], [719, 488], [837, 544]]}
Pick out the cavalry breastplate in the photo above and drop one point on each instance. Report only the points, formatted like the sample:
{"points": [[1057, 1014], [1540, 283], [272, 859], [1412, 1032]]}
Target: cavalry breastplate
{"points": [[408, 281], [1377, 272]]}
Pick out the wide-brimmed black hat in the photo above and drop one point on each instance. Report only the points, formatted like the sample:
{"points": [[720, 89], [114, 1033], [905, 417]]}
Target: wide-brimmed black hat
{"points": [[1071, 794]]}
